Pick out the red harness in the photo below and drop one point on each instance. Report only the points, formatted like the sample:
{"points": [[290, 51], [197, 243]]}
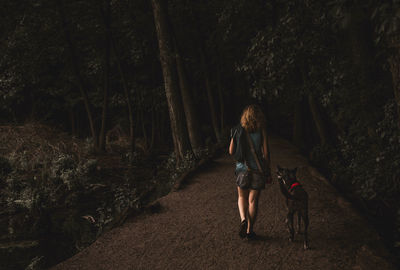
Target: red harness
{"points": [[295, 184]]}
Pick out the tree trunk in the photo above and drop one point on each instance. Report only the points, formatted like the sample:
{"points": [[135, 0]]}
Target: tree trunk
{"points": [[199, 40], [221, 97], [142, 119], [168, 65], [211, 101], [298, 126], [298, 132], [153, 128], [192, 121], [158, 127], [72, 118], [127, 95], [394, 62], [144, 132], [79, 77], [137, 121], [107, 22], [188, 105], [32, 114], [319, 124], [163, 125], [274, 13]]}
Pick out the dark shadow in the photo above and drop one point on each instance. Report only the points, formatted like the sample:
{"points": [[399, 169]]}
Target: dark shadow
{"points": [[209, 165], [264, 238], [212, 164]]}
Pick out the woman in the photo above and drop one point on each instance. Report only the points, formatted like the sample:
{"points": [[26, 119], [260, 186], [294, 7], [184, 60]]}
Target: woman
{"points": [[253, 122]]}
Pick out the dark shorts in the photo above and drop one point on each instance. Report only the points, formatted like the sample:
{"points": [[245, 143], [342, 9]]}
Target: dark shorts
{"points": [[257, 181]]}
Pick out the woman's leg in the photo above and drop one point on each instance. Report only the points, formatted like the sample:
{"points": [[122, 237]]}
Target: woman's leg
{"points": [[253, 206], [243, 198]]}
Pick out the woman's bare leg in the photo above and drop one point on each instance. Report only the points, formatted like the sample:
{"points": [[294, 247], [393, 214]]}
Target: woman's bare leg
{"points": [[253, 206], [243, 199]]}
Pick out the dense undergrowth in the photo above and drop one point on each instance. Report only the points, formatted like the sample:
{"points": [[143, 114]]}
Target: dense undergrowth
{"points": [[364, 164], [57, 196]]}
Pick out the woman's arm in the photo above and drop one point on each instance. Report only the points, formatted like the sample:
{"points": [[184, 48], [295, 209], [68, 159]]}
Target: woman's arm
{"points": [[265, 145], [231, 147]]}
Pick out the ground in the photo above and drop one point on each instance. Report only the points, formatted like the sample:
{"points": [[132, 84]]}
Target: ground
{"points": [[197, 228]]}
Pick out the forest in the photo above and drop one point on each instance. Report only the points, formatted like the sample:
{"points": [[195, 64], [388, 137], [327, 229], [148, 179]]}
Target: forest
{"points": [[106, 104]]}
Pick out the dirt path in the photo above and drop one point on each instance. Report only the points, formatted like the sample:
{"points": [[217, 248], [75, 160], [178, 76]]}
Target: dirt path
{"points": [[197, 228]]}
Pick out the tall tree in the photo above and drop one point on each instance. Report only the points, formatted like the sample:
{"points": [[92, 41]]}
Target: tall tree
{"points": [[210, 96], [106, 12], [127, 94], [171, 84], [395, 70], [187, 92], [221, 96], [317, 119], [77, 72], [188, 104]]}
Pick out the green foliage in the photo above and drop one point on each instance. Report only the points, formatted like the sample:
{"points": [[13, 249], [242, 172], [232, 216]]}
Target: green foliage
{"points": [[388, 158], [365, 164], [5, 168], [38, 80], [189, 161], [51, 185], [45, 186], [177, 169], [386, 15], [290, 57]]}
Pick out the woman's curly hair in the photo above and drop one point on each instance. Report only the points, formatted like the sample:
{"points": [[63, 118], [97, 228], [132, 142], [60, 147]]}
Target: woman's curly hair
{"points": [[253, 119]]}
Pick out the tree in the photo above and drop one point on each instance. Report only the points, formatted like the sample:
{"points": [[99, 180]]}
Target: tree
{"points": [[106, 14], [387, 23], [210, 96], [188, 104], [171, 81], [78, 74]]}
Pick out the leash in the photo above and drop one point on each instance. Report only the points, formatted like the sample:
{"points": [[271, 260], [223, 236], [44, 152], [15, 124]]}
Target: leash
{"points": [[253, 151]]}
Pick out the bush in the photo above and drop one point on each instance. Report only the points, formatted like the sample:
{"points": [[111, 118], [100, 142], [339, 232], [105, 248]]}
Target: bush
{"points": [[365, 163], [5, 169]]}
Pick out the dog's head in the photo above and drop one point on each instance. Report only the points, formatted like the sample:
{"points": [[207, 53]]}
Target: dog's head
{"points": [[287, 176]]}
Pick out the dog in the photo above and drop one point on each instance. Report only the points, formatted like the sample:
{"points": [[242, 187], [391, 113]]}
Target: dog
{"points": [[296, 201]]}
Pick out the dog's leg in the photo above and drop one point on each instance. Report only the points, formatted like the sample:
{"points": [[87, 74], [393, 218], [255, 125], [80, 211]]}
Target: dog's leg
{"points": [[289, 223], [299, 223], [306, 222]]}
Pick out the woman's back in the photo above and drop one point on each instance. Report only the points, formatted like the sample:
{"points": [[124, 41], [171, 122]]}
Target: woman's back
{"points": [[256, 138]]}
